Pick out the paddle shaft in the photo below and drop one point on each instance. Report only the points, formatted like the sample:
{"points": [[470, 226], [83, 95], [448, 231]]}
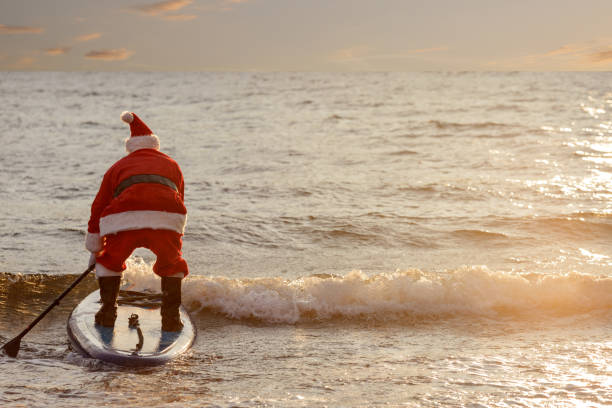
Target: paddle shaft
{"points": [[51, 306]]}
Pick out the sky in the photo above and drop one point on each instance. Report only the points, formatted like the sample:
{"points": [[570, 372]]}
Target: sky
{"points": [[306, 35]]}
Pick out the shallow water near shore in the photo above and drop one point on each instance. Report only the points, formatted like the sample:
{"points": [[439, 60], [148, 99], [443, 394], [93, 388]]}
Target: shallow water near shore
{"points": [[554, 357], [418, 239]]}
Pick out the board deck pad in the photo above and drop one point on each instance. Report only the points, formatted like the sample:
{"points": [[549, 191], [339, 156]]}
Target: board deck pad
{"points": [[120, 344]]}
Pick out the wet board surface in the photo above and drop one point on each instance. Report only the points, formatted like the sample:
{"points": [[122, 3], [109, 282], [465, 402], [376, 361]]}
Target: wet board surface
{"points": [[120, 344]]}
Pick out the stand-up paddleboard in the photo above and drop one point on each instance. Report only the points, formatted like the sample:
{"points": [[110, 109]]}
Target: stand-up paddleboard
{"points": [[137, 338]]}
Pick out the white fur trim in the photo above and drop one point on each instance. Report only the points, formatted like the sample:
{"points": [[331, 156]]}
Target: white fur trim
{"points": [[177, 275], [141, 142], [102, 271], [134, 220], [93, 242], [127, 117]]}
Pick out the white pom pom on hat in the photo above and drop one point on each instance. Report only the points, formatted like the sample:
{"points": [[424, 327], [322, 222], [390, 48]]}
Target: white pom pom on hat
{"points": [[127, 117]]}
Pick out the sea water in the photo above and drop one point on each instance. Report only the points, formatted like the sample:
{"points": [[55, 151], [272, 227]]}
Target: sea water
{"points": [[363, 239]]}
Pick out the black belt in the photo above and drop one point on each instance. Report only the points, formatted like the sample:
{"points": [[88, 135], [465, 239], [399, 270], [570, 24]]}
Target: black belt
{"points": [[144, 178]]}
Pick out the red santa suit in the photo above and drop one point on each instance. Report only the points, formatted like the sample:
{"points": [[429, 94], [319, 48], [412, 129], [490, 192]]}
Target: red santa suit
{"points": [[140, 204]]}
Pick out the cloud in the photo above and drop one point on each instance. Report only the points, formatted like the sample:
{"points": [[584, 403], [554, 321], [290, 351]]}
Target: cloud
{"points": [[110, 55], [4, 29], [179, 17], [58, 51], [567, 49], [577, 56], [589, 55], [602, 56], [88, 37], [162, 7], [24, 62]]}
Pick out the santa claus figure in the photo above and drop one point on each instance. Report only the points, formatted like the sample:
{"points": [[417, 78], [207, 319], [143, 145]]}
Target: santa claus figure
{"points": [[140, 204]]}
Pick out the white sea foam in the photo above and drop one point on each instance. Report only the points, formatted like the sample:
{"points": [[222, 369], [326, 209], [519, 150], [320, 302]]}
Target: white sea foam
{"points": [[470, 291]]}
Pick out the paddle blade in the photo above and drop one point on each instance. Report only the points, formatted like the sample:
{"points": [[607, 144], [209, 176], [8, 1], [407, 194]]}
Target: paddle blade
{"points": [[12, 347]]}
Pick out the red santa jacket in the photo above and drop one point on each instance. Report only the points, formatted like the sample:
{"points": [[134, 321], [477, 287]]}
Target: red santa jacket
{"points": [[139, 206]]}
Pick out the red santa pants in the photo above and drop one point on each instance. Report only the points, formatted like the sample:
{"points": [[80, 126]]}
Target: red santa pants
{"points": [[165, 244]]}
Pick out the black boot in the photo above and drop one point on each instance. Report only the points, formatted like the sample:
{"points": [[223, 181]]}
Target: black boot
{"points": [[109, 289], [171, 301]]}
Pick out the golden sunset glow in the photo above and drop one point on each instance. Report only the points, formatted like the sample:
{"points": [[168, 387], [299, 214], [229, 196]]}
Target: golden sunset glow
{"points": [[276, 35]]}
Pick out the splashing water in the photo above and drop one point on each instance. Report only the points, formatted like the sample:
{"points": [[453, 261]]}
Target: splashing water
{"points": [[468, 291]]}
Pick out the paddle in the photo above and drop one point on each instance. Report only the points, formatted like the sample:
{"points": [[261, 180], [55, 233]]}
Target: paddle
{"points": [[12, 347]]}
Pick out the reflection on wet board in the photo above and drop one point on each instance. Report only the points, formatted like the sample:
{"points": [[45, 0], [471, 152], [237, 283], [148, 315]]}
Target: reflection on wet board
{"points": [[137, 338]]}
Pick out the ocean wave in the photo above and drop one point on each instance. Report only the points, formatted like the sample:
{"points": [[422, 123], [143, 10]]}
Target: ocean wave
{"points": [[595, 213], [581, 225], [402, 153], [467, 126], [342, 232], [90, 123], [505, 107], [478, 234], [403, 296], [507, 135], [411, 294]]}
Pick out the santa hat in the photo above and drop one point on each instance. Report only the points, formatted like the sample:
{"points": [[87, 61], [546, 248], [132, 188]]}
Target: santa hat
{"points": [[141, 136]]}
